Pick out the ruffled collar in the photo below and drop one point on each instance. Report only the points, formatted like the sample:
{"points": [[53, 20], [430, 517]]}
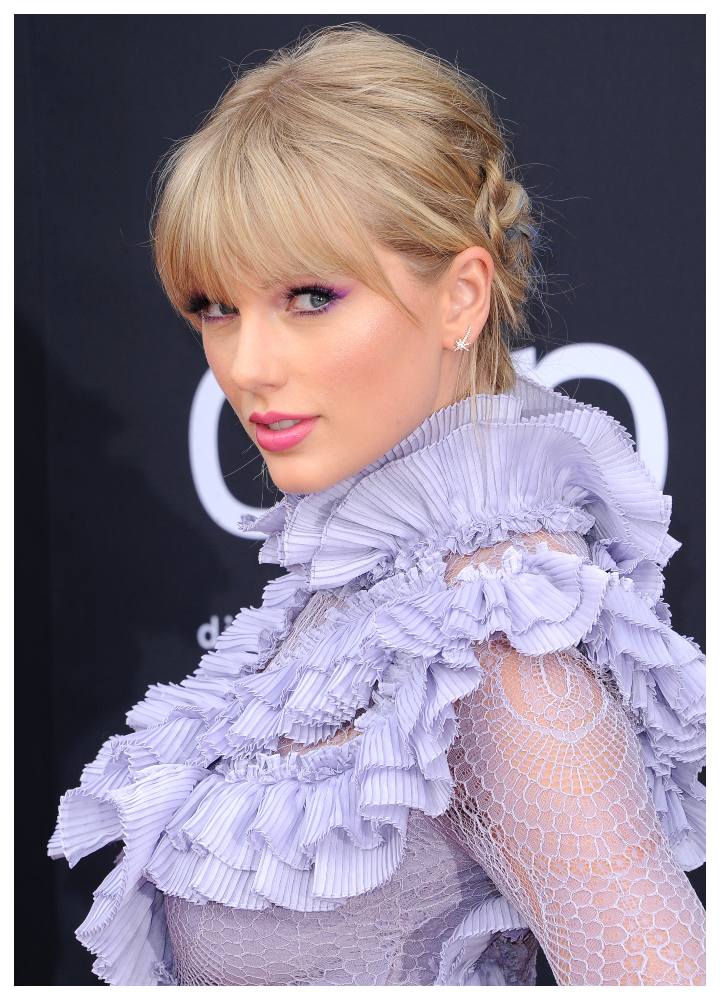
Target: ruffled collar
{"points": [[533, 458], [207, 808]]}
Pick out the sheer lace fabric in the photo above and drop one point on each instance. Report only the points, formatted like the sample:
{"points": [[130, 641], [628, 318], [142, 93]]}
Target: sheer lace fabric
{"points": [[390, 935], [551, 798], [550, 805]]}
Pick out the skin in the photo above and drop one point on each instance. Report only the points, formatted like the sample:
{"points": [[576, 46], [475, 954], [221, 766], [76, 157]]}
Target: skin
{"points": [[362, 367]]}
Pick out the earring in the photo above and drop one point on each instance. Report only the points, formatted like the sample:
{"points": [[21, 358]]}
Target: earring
{"points": [[462, 345]]}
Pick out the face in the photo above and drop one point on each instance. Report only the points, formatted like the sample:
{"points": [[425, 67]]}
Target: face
{"points": [[345, 356]]}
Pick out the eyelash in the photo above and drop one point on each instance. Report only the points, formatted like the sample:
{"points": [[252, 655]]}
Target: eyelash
{"points": [[200, 303]]}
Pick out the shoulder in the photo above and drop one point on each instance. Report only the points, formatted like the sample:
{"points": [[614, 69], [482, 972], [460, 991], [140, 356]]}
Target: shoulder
{"points": [[558, 696], [558, 692], [491, 555], [544, 730]]}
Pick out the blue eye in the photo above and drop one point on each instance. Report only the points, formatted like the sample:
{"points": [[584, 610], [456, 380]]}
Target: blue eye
{"points": [[320, 298], [313, 293]]}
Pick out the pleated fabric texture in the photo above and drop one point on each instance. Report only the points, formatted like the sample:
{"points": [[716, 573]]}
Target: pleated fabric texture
{"points": [[208, 810]]}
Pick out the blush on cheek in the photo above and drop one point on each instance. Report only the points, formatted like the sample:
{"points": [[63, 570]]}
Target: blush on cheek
{"points": [[367, 357]]}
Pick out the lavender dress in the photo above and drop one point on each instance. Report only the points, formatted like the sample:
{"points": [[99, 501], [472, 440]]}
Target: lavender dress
{"points": [[459, 726]]}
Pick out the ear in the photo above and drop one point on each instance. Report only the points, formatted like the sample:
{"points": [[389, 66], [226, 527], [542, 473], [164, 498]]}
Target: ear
{"points": [[464, 296]]}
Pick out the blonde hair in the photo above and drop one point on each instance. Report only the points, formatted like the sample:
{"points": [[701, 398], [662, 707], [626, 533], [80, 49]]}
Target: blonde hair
{"points": [[349, 135]]}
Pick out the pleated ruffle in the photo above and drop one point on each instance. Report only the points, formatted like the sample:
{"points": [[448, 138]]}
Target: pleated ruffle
{"points": [[533, 458], [138, 781], [206, 807], [461, 953]]}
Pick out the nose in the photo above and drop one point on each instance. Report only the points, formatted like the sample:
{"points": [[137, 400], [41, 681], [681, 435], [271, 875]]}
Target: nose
{"points": [[256, 359]]}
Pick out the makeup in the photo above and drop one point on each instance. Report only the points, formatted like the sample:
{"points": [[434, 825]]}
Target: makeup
{"points": [[280, 440]]}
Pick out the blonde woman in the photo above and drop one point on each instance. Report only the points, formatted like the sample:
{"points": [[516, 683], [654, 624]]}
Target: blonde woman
{"points": [[459, 726]]}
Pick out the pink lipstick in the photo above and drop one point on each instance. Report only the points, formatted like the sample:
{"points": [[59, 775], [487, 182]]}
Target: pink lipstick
{"points": [[279, 440]]}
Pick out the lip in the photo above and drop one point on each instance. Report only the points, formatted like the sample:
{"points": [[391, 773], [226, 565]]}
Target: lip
{"points": [[271, 440], [274, 415]]}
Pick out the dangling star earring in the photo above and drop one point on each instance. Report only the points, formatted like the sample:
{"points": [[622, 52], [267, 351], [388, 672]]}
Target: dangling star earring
{"points": [[462, 345]]}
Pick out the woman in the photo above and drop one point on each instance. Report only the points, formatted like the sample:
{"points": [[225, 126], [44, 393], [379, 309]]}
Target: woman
{"points": [[460, 724]]}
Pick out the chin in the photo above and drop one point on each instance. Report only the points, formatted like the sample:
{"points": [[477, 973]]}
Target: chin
{"points": [[305, 480], [286, 482]]}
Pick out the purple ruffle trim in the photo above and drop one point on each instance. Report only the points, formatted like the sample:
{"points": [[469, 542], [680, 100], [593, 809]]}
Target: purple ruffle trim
{"points": [[207, 809]]}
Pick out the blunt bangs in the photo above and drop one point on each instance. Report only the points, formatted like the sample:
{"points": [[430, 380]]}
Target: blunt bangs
{"points": [[259, 215]]}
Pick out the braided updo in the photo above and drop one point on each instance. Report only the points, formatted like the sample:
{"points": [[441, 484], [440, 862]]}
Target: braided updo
{"points": [[350, 135]]}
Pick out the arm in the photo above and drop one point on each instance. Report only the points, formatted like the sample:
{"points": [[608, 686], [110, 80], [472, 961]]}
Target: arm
{"points": [[552, 800]]}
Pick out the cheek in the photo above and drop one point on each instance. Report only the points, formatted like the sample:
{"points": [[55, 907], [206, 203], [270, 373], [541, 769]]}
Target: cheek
{"points": [[220, 361], [363, 362], [379, 372], [210, 352]]}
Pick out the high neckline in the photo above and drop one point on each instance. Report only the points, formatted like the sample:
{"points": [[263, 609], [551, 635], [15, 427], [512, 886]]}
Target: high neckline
{"points": [[432, 428], [469, 475]]}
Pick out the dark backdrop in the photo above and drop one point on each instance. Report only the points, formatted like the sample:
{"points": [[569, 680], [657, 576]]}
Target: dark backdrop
{"points": [[118, 561]]}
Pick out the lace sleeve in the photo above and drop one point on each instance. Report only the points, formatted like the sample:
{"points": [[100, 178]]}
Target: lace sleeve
{"points": [[551, 798]]}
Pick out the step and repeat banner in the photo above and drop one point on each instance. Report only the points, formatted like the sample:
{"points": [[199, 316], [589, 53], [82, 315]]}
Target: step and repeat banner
{"points": [[132, 472]]}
